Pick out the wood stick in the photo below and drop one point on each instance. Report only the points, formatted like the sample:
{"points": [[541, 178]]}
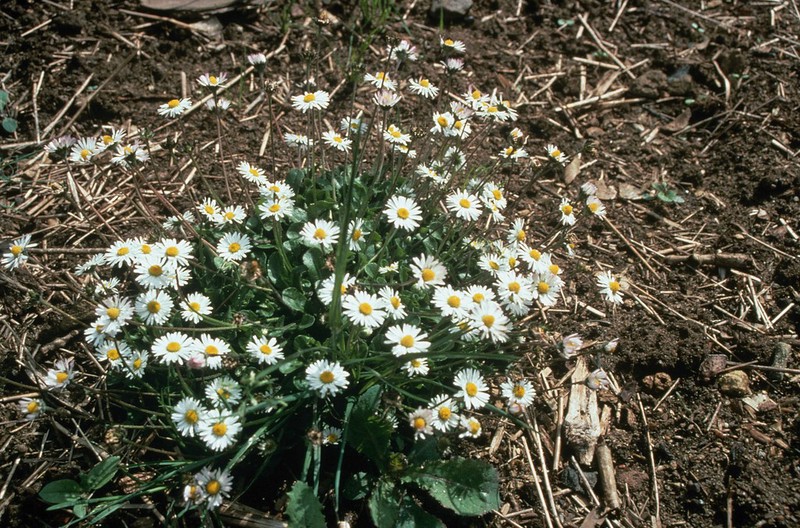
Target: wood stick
{"points": [[582, 19], [538, 485], [543, 465], [628, 243], [656, 518], [608, 481]]}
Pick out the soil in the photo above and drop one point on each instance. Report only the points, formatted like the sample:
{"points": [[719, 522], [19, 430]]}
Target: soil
{"points": [[707, 104]]}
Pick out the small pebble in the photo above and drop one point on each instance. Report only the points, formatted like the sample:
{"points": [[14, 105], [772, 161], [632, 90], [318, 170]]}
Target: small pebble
{"points": [[734, 383]]}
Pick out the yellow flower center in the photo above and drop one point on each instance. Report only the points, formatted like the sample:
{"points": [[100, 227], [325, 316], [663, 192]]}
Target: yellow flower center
{"points": [[265, 349], [356, 234], [211, 350], [543, 287], [173, 346], [309, 97], [61, 377], [137, 363], [212, 80], [194, 306], [425, 83], [395, 132], [512, 261], [172, 251], [107, 139], [219, 429], [448, 42], [234, 247], [209, 209], [478, 298], [554, 269], [514, 287], [476, 94], [395, 302], [474, 426], [593, 207], [471, 389], [32, 407], [154, 307], [403, 213], [535, 254], [155, 270], [566, 209], [407, 341], [146, 249], [173, 103], [16, 250], [420, 423], [343, 289], [442, 120], [488, 320], [556, 153], [454, 301], [254, 172], [466, 204], [491, 109], [614, 286], [326, 377], [416, 363], [229, 215], [112, 354], [223, 393], [332, 438], [497, 194], [191, 416], [521, 234], [213, 486], [320, 234], [112, 312], [494, 265], [337, 138], [85, 153], [428, 275], [518, 391], [121, 252], [365, 308], [274, 188], [444, 413], [274, 208], [509, 151]]}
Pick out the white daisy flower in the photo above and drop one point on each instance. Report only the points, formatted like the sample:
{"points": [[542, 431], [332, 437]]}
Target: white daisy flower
{"points": [[96, 335], [84, 150], [567, 212], [392, 303], [16, 254], [381, 80], [420, 421], [257, 59], [416, 367], [212, 349], [216, 485], [519, 392], [174, 347], [403, 51], [357, 234], [210, 209], [275, 208], [597, 380], [276, 189], [60, 375], [442, 122], [326, 377], [174, 107], [223, 392], [320, 233], [187, 415], [212, 81], [90, 264], [444, 411], [325, 289], [472, 427], [135, 364], [234, 214], [514, 288], [318, 100], [472, 388], [394, 135], [265, 349], [406, 339], [386, 98], [114, 312], [456, 45], [452, 302], [113, 354], [31, 407], [555, 153], [513, 153], [335, 140], [546, 288], [300, 141], [570, 346], [595, 206], [251, 173], [331, 435], [479, 294], [130, 154], [428, 271], [423, 87], [489, 321], [194, 307], [403, 213], [177, 252], [218, 430], [152, 272], [610, 287], [233, 247], [464, 205], [453, 65], [353, 125], [364, 309]]}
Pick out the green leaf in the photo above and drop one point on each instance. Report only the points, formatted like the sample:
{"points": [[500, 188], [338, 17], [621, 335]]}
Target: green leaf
{"points": [[79, 510], [294, 299], [356, 486], [10, 124], [3, 99], [466, 486], [412, 516], [101, 474], [367, 433], [383, 505], [303, 507], [313, 261], [295, 178], [60, 491]]}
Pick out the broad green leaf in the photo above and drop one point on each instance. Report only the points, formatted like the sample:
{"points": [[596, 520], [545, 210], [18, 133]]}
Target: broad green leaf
{"points": [[314, 262], [79, 510], [303, 508], [294, 299], [412, 516], [466, 486], [383, 505], [60, 491], [10, 124], [356, 486], [101, 474], [3, 99], [295, 178], [368, 433]]}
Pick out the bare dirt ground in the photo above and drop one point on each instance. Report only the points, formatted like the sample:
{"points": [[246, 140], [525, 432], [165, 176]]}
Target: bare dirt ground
{"points": [[704, 101]]}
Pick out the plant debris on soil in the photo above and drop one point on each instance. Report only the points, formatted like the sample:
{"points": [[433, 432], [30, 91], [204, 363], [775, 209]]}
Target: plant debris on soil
{"points": [[688, 119]]}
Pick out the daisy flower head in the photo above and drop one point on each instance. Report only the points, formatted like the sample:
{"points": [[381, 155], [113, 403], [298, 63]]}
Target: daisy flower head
{"points": [[58, 148], [318, 100], [251, 173], [176, 252], [223, 392], [353, 125], [475, 98], [266, 350], [452, 302], [514, 288], [320, 233], [546, 288], [455, 158], [386, 98], [112, 138], [357, 233], [516, 134], [193, 494], [442, 122], [331, 435], [276, 189], [113, 354], [216, 485], [451, 44], [173, 347], [213, 349], [84, 150], [392, 267], [335, 140], [96, 334], [493, 263], [210, 209], [513, 153], [556, 154], [233, 214], [428, 271], [233, 247], [423, 87], [416, 367], [194, 307], [589, 189], [403, 213], [394, 135], [406, 339], [597, 380], [129, 154], [611, 287], [464, 205], [219, 429], [471, 426], [489, 321], [300, 141], [452, 64], [392, 303], [364, 309], [275, 208], [472, 388], [174, 107], [91, 263], [403, 51], [60, 375], [520, 392], [381, 80], [443, 410], [517, 233], [212, 81], [220, 104], [492, 193], [325, 289], [328, 378], [135, 364], [420, 421], [31, 407], [478, 294], [567, 212], [257, 59], [152, 272], [595, 206], [114, 311], [570, 346], [187, 415]]}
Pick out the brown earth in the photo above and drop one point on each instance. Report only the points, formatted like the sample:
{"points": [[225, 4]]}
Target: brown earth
{"points": [[707, 104]]}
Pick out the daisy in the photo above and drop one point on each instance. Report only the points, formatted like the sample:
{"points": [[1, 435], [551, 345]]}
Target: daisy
{"points": [[325, 289], [444, 413], [194, 307], [212, 81], [127, 155], [93, 262], [460, 128], [472, 427], [386, 98], [610, 287], [174, 107], [60, 375], [392, 267], [210, 209], [420, 421], [233, 247], [395, 135], [392, 303], [223, 392], [428, 271], [187, 415], [516, 134], [513, 153], [570, 346], [518, 392], [320, 233], [265, 349], [464, 205], [416, 367], [442, 122], [489, 321], [479, 294], [357, 234], [406, 339], [213, 349], [218, 430], [111, 139], [326, 377], [493, 263], [31, 407], [58, 147], [276, 189], [232, 215], [151, 272], [364, 309], [335, 140], [257, 59], [595, 206], [456, 45], [220, 104], [589, 189], [113, 354], [275, 208], [451, 302], [84, 150], [597, 380], [251, 173], [114, 312], [216, 484], [381, 80], [135, 364], [567, 212], [193, 494], [514, 288], [555, 153], [353, 125], [403, 51], [472, 388], [403, 213], [453, 65], [423, 87], [174, 347], [300, 141], [96, 335], [177, 252], [318, 100], [546, 288], [517, 233], [177, 222], [331, 435]]}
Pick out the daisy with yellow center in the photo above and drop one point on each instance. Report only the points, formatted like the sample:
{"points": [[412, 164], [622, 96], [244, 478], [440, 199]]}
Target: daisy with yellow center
{"points": [[455, 45], [567, 212], [174, 107], [320, 233], [428, 271], [186, 416], [423, 87], [403, 213], [364, 309], [318, 100], [464, 205], [173, 347], [420, 421], [214, 486], [488, 321], [406, 339], [472, 388], [194, 307], [520, 392], [265, 350], [611, 287], [328, 378], [444, 411], [218, 430], [233, 247], [396, 136]]}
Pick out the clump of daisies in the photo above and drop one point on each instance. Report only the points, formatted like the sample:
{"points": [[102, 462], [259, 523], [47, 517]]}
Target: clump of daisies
{"points": [[271, 314]]}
